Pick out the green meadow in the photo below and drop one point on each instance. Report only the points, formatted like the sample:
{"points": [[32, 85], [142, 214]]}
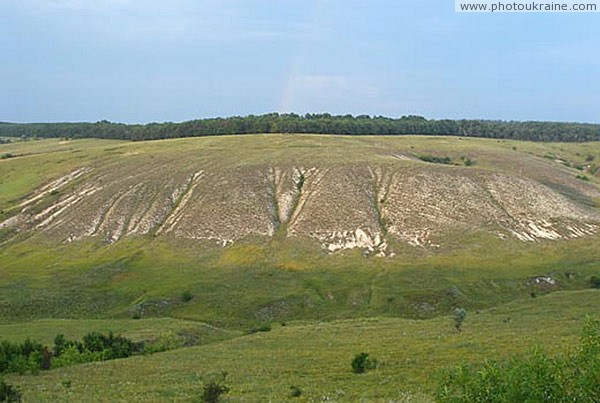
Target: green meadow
{"points": [[322, 309]]}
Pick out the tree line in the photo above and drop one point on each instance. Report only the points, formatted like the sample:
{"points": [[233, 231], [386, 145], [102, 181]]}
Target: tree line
{"points": [[310, 123]]}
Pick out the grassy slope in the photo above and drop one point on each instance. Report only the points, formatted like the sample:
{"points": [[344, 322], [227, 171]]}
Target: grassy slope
{"points": [[316, 357], [255, 282], [232, 289], [44, 330]]}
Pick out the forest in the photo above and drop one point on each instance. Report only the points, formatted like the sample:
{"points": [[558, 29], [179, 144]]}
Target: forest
{"points": [[310, 123]]}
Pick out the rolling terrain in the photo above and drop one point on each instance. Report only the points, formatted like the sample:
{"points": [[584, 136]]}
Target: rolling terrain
{"points": [[218, 191], [371, 241]]}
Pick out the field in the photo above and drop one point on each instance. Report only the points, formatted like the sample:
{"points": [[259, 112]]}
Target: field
{"points": [[316, 357], [328, 292]]}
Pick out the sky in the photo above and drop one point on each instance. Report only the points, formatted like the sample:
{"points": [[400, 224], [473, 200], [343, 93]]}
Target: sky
{"points": [[138, 61]]}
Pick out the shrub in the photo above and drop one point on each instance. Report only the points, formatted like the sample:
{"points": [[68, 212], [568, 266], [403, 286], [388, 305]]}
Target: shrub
{"points": [[27, 356], [582, 177], [535, 378], [436, 160], [262, 328], [467, 161], [595, 281], [9, 393], [213, 390], [110, 346], [187, 296], [362, 363], [459, 317], [72, 356], [6, 156], [295, 391]]}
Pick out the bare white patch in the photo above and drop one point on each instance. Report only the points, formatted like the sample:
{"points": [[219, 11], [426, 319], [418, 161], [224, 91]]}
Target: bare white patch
{"points": [[55, 185]]}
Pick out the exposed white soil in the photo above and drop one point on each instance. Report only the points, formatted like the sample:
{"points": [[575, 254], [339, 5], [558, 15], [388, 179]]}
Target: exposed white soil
{"points": [[341, 206]]}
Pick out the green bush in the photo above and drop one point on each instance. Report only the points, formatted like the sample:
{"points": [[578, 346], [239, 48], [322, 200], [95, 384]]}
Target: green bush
{"points": [[534, 378], [262, 328], [9, 393], [20, 358], [362, 363], [467, 161], [595, 281], [295, 391], [110, 346], [213, 390], [436, 160], [187, 296]]}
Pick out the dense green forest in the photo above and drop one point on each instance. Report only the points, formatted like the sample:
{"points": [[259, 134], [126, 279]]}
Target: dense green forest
{"points": [[311, 123]]}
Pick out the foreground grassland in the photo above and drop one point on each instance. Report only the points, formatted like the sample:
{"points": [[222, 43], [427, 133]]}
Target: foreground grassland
{"points": [[316, 357]]}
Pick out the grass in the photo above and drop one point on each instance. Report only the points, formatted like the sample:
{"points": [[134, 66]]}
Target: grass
{"points": [[239, 289], [316, 357], [334, 306], [44, 330]]}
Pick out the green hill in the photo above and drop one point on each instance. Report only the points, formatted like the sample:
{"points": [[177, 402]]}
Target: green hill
{"points": [[348, 241]]}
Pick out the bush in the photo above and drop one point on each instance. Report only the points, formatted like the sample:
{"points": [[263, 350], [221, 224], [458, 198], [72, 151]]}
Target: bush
{"points": [[95, 346], [595, 281], [187, 296], [467, 161], [20, 358], [72, 356], [436, 160], [535, 378], [110, 346], [459, 317], [213, 390], [295, 391], [262, 328], [362, 363], [9, 393]]}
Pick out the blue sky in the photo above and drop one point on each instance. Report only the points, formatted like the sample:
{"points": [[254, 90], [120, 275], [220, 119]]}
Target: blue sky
{"points": [[149, 60]]}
